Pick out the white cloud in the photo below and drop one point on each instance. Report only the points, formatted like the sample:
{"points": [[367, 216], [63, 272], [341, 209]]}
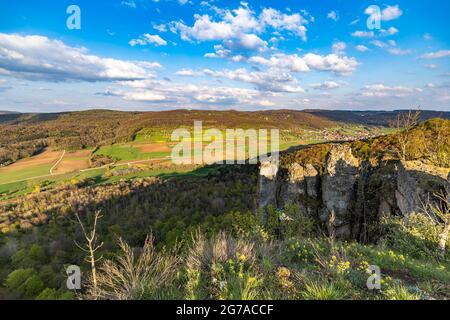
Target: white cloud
{"points": [[160, 27], [143, 96], [156, 40], [240, 25], [187, 72], [379, 44], [331, 62], [148, 39], [389, 32], [391, 13], [387, 14], [160, 93], [270, 80], [370, 34], [294, 63], [281, 21], [339, 47], [399, 52], [204, 29], [40, 58], [326, 85], [246, 42], [333, 15], [436, 55], [363, 34], [381, 90], [427, 37], [128, 3], [224, 53], [361, 48]]}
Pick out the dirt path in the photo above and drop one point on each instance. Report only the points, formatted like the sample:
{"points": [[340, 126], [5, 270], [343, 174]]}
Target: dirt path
{"points": [[57, 162]]}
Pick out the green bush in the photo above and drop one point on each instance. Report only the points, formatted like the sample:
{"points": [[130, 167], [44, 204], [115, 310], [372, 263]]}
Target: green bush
{"points": [[416, 236], [25, 282]]}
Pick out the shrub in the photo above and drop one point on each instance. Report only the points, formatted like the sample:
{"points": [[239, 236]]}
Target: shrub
{"points": [[416, 236], [25, 282]]}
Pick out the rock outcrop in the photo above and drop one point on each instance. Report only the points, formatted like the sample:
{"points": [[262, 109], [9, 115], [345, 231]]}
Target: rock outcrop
{"points": [[267, 183], [338, 189], [349, 194]]}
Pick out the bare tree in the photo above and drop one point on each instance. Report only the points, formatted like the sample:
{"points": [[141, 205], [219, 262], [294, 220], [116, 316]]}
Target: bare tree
{"points": [[91, 247], [403, 124], [440, 210]]}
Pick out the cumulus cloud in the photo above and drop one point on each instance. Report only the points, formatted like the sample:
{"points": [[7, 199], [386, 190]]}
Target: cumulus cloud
{"points": [[247, 42], [221, 52], [241, 26], [281, 21], [159, 93], [270, 80], [381, 90], [332, 62], [326, 85], [40, 58], [436, 54], [292, 62], [148, 39], [387, 14], [391, 13], [187, 72]]}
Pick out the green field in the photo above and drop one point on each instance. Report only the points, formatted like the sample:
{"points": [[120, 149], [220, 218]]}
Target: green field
{"points": [[128, 152], [15, 189], [25, 173]]}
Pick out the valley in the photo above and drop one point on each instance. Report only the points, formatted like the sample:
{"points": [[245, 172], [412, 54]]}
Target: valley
{"points": [[335, 203]]}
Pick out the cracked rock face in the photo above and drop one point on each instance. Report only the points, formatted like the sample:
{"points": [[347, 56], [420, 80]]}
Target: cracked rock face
{"points": [[351, 194], [294, 186], [312, 180], [267, 184], [414, 182], [338, 188]]}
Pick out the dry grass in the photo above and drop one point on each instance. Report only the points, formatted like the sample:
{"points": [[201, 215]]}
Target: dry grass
{"points": [[220, 249], [133, 276]]}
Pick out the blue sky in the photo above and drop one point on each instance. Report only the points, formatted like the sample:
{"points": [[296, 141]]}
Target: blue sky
{"points": [[169, 54]]}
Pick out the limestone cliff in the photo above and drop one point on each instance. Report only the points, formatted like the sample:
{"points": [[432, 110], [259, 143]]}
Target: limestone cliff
{"points": [[345, 193]]}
